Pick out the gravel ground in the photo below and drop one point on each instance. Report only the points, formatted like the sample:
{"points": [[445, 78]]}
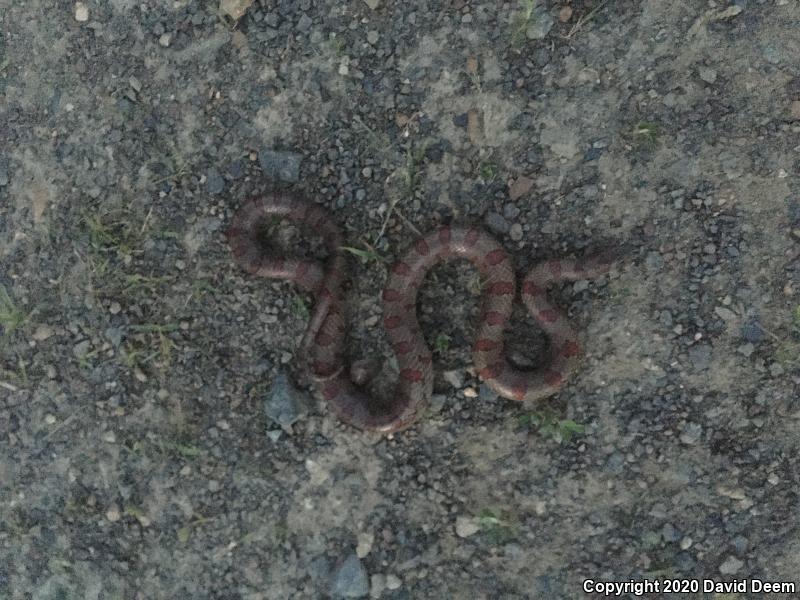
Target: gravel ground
{"points": [[153, 442]]}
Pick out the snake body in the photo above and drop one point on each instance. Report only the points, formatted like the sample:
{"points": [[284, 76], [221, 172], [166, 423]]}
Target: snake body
{"points": [[324, 340]]}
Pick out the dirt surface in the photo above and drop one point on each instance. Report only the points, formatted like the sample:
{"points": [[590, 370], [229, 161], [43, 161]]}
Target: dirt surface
{"points": [[153, 444]]}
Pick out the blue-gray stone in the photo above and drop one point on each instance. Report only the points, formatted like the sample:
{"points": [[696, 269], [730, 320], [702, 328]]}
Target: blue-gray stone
{"points": [[350, 579], [280, 165], [751, 331], [284, 404], [214, 181]]}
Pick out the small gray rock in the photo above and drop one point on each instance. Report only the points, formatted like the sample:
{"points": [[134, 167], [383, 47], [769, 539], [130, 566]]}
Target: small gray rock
{"points": [[752, 332], [615, 463], [510, 211], [285, 404], [486, 394], [280, 165], [776, 370], [653, 261], [516, 232], [691, 433], [114, 335], [350, 579], [304, 23], [731, 566], [707, 74], [372, 37], [746, 350], [81, 349], [740, 543], [214, 181], [3, 175], [496, 222], [437, 403], [669, 533], [700, 355], [540, 25]]}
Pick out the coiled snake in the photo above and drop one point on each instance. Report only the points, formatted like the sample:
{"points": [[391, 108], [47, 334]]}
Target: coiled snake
{"points": [[324, 339]]}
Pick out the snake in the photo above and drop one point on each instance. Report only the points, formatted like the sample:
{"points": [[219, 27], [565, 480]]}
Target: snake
{"points": [[323, 343]]}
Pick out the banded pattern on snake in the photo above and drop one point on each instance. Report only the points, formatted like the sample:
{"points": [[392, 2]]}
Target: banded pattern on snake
{"points": [[324, 339]]}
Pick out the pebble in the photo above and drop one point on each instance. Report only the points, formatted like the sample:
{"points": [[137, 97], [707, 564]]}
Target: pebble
{"points": [[285, 404], [516, 232], [700, 355], [364, 544], [746, 350], [486, 393], [454, 378], [114, 335], [579, 286], [235, 8], [794, 109], [669, 533], [466, 526], [653, 261], [373, 4], [496, 222], [707, 74], [280, 165], [691, 433], [350, 579], [511, 211], [437, 403], [520, 187], [113, 514], [304, 23], [377, 583], [373, 37], [751, 332], [214, 181], [81, 12], [615, 463], [725, 314], [42, 333], [3, 175], [393, 582], [165, 40], [730, 566], [81, 349], [541, 24]]}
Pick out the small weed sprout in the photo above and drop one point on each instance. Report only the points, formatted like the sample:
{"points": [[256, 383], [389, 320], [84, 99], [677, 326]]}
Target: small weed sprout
{"points": [[646, 133], [11, 316], [487, 171], [299, 307], [442, 343], [498, 528], [365, 256], [521, 21], [549, 425]]}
